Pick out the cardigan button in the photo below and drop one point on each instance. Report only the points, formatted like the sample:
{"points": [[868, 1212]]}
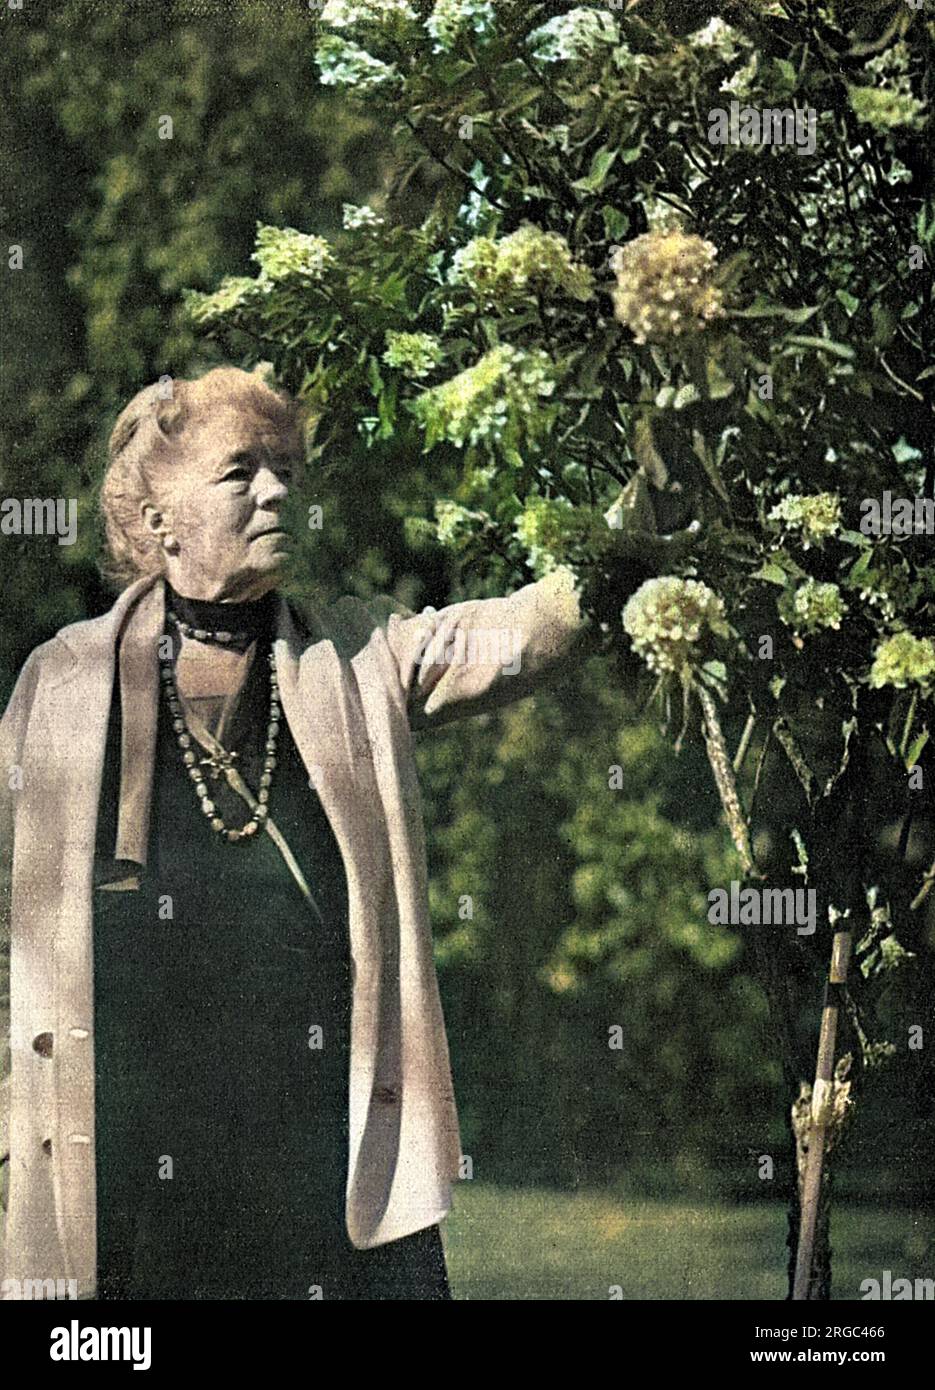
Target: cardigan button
{"points": [[47, 1146], [42, 1043]]}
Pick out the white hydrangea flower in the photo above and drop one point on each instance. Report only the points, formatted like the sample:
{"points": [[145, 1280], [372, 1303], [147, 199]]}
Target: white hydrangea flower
{"points": [[344, 64], [668, 618], [415, 353], [490, 402], [665, 285], [725, 40], [353, 217], [812, 607], [903, 659], [283, 252], [576, 34], [817, 515], [497, 271], [451, 18], [341, 14]]}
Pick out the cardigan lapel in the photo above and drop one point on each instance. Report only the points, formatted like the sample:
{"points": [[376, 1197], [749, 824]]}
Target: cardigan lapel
{"points": [[139, 703], [323, 710]]}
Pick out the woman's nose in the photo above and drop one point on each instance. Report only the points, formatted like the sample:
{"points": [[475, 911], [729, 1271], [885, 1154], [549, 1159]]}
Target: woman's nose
{"points": [[268, 487]]}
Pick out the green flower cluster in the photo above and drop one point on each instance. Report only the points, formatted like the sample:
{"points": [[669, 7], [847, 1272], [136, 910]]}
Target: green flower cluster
{"points": [[234, 292], [494, 401], [283, 253], [451, 18], [415, 353], [816, 516], [664, 285], [572, 36], [500, 271], [812, 607], [902, 659], [667, 619], [546, 529]]}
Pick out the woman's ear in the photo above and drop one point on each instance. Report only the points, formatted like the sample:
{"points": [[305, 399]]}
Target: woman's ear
{"points": [[158, 527]]}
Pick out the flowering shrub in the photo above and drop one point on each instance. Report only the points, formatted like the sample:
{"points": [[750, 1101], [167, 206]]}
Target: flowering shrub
{"points": [[345, 64], [546, 529], [635, 322]]}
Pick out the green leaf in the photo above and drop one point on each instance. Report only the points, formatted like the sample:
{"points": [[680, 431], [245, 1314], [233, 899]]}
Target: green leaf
{"points": [[912, 756], [860, 566], [821, 344], [772, 573], [616, 223], [719, 386], [850, 302], [646, 453], [903, 452], [601, 166], [702, 452], [763, 308], [686, 395], [785, 73]]}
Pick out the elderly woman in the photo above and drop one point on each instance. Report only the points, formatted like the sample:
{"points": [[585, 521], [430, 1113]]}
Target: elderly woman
{"points": [[229, 1072]]}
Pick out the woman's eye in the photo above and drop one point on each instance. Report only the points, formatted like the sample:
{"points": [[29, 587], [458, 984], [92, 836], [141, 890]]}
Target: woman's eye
{"points": [[236, 475]]}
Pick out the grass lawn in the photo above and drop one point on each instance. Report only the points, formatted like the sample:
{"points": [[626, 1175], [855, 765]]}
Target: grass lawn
{"points": [[503, 1243]]}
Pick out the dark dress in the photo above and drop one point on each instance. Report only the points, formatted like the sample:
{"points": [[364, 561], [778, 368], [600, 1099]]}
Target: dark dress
{"points": [[222, 1019]]}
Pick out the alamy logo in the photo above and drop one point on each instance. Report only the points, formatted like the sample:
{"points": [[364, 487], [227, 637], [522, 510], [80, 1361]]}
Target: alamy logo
{"points": [[474, 646], [897, 516], [897, 1289], [748, 125], [754, 907], [38, 1288], [76, 1343], [40, 516]]}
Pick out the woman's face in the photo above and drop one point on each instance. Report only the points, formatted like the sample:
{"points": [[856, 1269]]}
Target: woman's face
{"points": [[217, 510]]}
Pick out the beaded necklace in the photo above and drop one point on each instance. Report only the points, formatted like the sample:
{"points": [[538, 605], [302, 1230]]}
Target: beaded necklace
{"points": [[221, 761]]}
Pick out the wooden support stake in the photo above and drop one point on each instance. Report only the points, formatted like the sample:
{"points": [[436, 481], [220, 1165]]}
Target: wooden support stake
{"points": [[822, 1096]]}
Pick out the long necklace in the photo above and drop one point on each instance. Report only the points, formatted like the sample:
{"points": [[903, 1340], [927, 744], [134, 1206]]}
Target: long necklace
{"points": [[221, 761]]}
